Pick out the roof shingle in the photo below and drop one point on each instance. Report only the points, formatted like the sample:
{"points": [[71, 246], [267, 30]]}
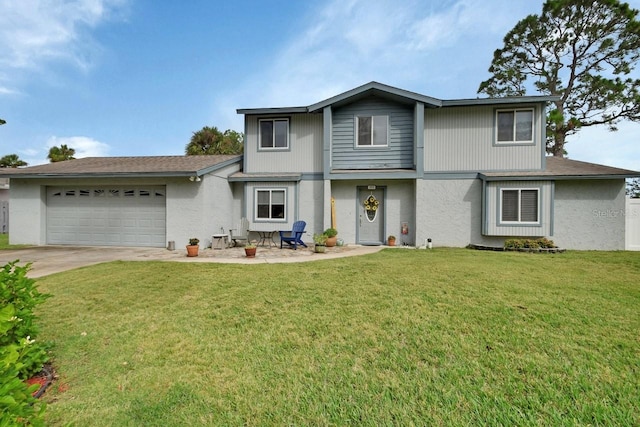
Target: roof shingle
{"points": [[110, 166]]}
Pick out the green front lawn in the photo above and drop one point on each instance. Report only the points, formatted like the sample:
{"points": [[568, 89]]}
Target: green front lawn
{"points": [[402, 337]]}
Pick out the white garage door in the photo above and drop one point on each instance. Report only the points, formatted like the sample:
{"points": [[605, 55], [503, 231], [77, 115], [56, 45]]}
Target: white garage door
{"points": [[106, 216]]}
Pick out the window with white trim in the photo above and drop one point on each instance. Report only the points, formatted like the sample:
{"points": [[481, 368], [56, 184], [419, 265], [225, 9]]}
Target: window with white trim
{"points": [[514, 126], [271, 204], [372, 131], [520, 205], [274, 134]]}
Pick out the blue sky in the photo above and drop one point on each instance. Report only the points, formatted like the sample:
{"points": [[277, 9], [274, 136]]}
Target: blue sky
{"points": [[138, 77]]}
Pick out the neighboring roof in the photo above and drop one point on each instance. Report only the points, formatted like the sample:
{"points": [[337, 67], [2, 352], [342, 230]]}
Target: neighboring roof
{"points": [[395, 94], [125, 167], [561, 168]]}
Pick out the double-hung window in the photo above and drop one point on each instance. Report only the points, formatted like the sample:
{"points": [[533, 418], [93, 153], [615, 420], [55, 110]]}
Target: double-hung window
{"points": [[520, 205], [372, 131], [514, 126], [271, 204], [274, 134]]}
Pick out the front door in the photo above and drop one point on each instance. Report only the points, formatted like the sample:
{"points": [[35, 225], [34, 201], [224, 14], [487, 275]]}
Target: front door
{"points": [[370, 215]]}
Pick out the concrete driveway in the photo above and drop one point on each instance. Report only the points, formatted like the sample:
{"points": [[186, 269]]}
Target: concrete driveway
{"points": [[54, 259], [47, 260]]}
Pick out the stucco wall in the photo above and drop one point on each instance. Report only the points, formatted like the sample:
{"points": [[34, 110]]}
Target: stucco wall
{"points": [[399, 208], [201, 209], [26, 213], [590, 214], [450, 213]]}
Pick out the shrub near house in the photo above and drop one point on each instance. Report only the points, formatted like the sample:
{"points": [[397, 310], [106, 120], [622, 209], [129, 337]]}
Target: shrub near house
{"points": [[20, 355]]}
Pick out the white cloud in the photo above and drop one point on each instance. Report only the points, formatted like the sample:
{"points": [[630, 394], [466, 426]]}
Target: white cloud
{"points": [[33, 32], [84, 146], [406, 43]]}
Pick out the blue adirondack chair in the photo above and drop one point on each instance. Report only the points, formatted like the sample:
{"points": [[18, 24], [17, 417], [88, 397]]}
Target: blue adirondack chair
{"points": [[293, 237]]}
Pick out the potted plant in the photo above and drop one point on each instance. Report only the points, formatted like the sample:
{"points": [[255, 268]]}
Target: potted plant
{"points": [[192, 247], [250, 250], [320, 241], [331, 234], [391, 240]]}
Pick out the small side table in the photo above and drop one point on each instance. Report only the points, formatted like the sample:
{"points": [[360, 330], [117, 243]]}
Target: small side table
{"points": [[220, 241], [266, 238]]}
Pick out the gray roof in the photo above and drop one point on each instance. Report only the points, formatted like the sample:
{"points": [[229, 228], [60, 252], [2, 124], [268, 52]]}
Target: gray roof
{"points": [[395, 94], [126, 167], [561, 168]]}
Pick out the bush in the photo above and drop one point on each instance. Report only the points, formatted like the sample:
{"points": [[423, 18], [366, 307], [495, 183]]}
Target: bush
{"points": [[542, 243], [20, 355]]}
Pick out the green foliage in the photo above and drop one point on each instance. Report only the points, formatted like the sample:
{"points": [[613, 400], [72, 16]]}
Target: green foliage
{"points": [[60, 154], [194, 241], [2, 122], [580, 51], [330, 232], [633, 188], [320, 239], [20, 355], [209, 140], [541, 243], [17, 404], [11, 161]]}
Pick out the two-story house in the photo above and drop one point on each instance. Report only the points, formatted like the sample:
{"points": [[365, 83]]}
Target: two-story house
{"points": [[392, 162], [374, 161]]}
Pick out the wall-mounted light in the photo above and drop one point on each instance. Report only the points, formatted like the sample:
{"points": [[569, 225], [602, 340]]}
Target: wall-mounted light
{"points": [[195, 178]]}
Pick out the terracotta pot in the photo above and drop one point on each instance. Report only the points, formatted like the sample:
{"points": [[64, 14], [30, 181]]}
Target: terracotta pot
{"points": [[331, 241], [192, 250], [250, 252], [391, 242]]}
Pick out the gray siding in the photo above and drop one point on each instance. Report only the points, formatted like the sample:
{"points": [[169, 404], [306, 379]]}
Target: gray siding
{"points": [[545, 209], [462, 139], [398, 155], [291, 213], [305, 146]]}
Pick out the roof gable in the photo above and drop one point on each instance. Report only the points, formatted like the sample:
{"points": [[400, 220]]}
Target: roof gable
{"points": [[394, 94]]}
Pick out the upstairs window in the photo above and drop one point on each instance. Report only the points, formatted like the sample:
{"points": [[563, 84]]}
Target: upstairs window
{"points": [[372, 131], [519, 206], [270, 204], [274, 134], [514, 126]]}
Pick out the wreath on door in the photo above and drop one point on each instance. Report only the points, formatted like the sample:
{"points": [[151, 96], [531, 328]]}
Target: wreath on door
{"points": [[371, 205]]}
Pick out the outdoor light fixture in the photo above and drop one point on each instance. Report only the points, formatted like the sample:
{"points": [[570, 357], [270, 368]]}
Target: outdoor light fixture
{"points": [[195, 178]]}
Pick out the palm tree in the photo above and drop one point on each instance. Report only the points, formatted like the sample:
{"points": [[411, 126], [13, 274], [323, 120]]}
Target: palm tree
{"points": [[209, 140], [11, 161], [60, 154]]}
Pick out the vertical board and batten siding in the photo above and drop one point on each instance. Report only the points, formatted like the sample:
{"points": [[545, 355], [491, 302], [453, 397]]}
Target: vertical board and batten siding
{"points": [[492, 209], [399, 154], [291, 207], [632, 221], [305, 146], [460, 139]]}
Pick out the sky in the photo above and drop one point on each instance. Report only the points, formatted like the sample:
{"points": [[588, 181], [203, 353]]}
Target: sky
{"points": [[138, 77]]}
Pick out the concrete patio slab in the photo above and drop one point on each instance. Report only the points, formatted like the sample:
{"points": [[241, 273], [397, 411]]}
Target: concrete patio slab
{"points": [[47, 260]]}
